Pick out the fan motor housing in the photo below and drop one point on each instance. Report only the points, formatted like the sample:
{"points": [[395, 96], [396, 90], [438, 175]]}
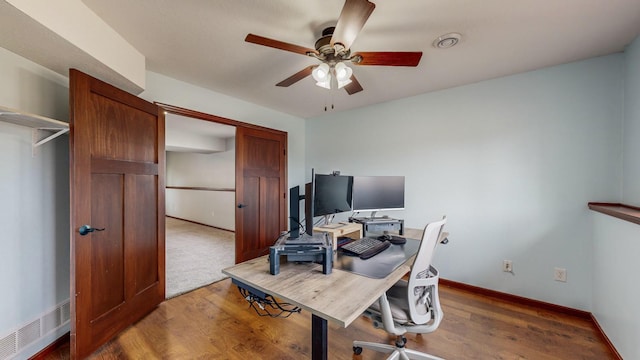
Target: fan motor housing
{"points": [[331, 54]]}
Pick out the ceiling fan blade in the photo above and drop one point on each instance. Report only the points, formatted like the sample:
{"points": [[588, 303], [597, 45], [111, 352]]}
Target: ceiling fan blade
{"points": [[260, 40], [352, 18], [389, 58], [296, 77], [354, 86]]}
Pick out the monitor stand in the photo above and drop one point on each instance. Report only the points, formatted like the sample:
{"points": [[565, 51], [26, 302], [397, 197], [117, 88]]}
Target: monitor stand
{"points": [[328, 222], [373, 217]]}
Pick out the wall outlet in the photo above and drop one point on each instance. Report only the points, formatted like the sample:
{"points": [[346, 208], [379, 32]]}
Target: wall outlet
{"points": [[213, 214], [507, 266], [560, 274]]}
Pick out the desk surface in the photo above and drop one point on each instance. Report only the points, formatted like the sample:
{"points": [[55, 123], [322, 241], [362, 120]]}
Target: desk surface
{"points": [[341, 296]]}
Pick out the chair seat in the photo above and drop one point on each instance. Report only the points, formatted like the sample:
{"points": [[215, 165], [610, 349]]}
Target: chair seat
{"points": [[410, 306], [397, 296]]}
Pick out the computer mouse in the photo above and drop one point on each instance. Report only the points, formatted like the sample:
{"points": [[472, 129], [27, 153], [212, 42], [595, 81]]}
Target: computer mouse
{"points": [[397, 240], [385, 237]]}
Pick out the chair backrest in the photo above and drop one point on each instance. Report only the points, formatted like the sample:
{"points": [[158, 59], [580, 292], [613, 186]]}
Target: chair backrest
{"points": [[419, 282]]}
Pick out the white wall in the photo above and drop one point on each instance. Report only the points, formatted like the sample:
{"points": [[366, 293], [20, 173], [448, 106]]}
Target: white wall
{"points": [[512, 162], [166, 90], [217, 171], [34, 216]]}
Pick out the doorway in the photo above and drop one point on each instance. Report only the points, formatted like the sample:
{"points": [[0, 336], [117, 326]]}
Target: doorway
{"points": [[200, 198], [260, 189]]}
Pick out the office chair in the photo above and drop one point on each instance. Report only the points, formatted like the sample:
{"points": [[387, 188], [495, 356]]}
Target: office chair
{"points": [[410, 306]]}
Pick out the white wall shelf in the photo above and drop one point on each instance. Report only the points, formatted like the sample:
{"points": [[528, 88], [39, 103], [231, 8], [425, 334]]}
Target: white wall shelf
{"points": [[53, 128]]}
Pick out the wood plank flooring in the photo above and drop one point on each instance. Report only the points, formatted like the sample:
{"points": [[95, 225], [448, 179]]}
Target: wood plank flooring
{"points": [[215, 322]]}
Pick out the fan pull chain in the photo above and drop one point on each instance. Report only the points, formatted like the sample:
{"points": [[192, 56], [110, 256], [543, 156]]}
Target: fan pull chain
{"points": [[326, 99]]}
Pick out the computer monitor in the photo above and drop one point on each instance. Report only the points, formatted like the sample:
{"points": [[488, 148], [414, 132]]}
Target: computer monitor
{"points": [[324, 195], [332, 195], [309, 191], [294, 212], [378, 193]]}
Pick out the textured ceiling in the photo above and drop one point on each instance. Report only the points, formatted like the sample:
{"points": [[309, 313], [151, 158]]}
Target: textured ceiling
{"points": [[202, 42]]}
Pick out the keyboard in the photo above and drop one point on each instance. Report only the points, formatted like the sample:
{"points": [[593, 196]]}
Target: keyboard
{"points": [[366, 247]]}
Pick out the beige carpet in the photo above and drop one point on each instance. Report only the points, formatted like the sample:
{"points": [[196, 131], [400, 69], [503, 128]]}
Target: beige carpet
{"points": [[195, 255]]}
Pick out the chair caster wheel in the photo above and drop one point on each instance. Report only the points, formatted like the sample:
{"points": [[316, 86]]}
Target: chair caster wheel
{"points": [[357, 350]]}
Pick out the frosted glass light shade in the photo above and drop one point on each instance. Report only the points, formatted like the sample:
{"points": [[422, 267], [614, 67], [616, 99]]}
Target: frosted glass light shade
{"points": [[321, 73]]}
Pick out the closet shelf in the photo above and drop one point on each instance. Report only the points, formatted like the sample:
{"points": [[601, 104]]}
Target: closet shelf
{"points": [[53, 127]]}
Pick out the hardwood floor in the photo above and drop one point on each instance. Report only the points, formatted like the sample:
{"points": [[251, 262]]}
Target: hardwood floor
{"points": [[215, 322]]}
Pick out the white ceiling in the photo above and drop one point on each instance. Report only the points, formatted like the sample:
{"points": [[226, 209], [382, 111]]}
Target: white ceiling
{"points": [[202, 42], [178, 123]]}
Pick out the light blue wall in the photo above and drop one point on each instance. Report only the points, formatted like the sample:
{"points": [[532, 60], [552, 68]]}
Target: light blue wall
{"points": [[632, 125], [617, 242], [34, 216], [512, 162], [615, 289]]}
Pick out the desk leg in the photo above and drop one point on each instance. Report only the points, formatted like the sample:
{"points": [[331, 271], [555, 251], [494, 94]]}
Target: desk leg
{"points": [[319, 338]]}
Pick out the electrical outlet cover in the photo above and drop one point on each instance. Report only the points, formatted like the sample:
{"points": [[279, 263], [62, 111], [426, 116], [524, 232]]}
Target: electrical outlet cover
{"points": [[560, 274]]}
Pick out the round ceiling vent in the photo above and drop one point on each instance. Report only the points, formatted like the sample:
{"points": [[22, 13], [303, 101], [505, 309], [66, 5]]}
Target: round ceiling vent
{"points": [[447, 40]]}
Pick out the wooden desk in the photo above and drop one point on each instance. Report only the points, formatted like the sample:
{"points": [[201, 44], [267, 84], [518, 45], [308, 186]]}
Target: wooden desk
{"points": [[351, 230], [341, 296]]}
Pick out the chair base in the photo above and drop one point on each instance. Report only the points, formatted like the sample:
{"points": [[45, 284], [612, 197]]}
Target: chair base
{"points": [[397, 353]]}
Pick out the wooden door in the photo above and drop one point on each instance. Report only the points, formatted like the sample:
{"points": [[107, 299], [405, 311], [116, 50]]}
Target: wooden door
{"points": [[117, 183], [260, 190]]}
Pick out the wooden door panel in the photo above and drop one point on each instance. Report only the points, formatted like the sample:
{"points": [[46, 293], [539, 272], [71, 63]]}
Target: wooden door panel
{"points": [[141, 230], [251, 206], [271, 205], [123, 131], [261, 189], [117, 183], [107, 247], [262, 156]]}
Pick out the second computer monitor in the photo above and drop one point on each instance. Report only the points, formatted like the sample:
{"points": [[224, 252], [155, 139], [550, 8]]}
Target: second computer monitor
{"points": [[378, 193]]}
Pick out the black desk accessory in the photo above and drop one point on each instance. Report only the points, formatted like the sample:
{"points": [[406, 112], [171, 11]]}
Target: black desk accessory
{"points": [[305, 248], [380, 265], [395, 240], [366, 247]]}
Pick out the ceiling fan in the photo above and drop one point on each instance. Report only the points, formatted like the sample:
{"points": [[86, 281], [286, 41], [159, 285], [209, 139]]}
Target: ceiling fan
{"points": [[333, 50]]}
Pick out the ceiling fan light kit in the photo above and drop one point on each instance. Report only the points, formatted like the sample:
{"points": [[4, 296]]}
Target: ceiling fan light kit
{"points": [[343, 72], [322, 76], [333, 50], [321, 72]]}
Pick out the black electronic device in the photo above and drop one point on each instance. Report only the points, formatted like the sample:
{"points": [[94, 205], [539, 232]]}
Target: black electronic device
{"points": [[294, 212], [379, 226], [366, 247], [306, 248], [308, 207], [324, 195], [332, 194], [395, 240], [378, 193], [264, 304]]}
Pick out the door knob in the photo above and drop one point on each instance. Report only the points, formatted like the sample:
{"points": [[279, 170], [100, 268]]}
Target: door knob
{"points": [[85, 229], [240, 206]]}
